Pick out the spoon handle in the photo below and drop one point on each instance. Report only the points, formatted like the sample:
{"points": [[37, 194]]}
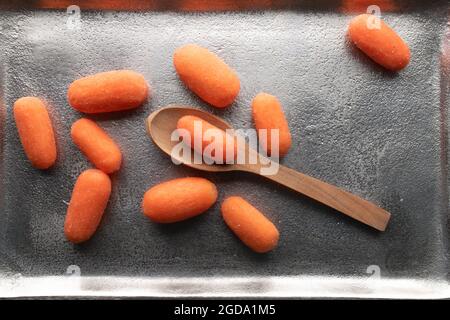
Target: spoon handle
{"points": [[332, 196]]}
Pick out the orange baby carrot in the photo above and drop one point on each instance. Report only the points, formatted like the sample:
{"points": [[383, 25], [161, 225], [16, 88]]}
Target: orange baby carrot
{"points": [[179, 199], [209, 133], [249, 224], [35, 131], [95, 143], [268, 114], [108, 91], [377, 40], [90, 196], [207, 75]]}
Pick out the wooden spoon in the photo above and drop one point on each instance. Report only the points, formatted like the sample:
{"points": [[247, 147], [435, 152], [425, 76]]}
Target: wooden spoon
{"points": [[163, 122]]}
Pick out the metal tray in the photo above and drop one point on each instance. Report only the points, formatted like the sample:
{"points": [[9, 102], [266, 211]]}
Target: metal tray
{"points": [[378, 134]]}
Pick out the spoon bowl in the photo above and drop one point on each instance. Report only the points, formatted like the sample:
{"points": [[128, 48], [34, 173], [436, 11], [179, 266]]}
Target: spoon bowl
{"points": [[163, 122]]}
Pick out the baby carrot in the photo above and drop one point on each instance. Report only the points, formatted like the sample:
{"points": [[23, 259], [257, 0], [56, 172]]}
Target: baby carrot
{"points": [[377, 40], [35, 131], [249, 224], [211, 137], [268, 114], [206, 75], [95, 143], [90, 196], [108, 91], [179, 199]]}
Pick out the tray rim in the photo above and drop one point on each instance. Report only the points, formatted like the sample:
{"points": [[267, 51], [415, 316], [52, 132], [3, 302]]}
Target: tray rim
{"points": [[223, 287]]}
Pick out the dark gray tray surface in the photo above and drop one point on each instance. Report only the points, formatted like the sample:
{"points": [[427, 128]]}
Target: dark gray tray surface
{"points": [[375, 133]]}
